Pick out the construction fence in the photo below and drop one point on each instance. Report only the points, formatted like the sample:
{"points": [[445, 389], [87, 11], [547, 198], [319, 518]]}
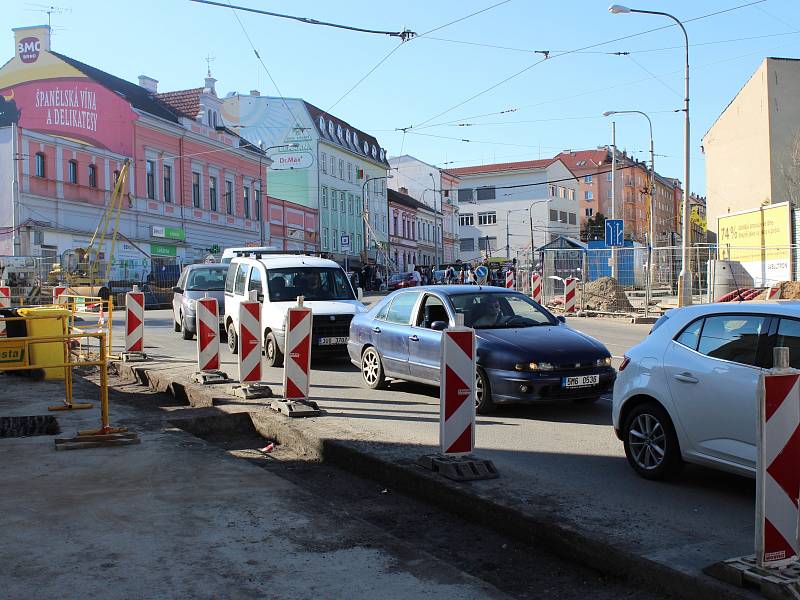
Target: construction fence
{"points": [[634, 280]]}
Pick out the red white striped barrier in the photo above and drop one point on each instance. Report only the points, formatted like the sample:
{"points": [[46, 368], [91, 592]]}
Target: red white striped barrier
{"points": [[509, 279], [457, 391], [57, 291], [134, 321], [207, 334], [774, 293], [778, 476], [536, 287], [249, 356], [5, 302], [570, 285], [297, 356]]}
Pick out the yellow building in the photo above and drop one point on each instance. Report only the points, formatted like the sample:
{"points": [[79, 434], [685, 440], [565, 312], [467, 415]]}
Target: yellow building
{"points": [[753, 148]]}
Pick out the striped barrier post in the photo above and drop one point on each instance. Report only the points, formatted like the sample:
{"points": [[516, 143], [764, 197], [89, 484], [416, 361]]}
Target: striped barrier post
{"points": [[57, 291], [207, 334], [570, 285], [774, 293], [5, 302], [134, 324], [457, 391], [297, 361], [509, 279], [536, 287], [778, 477], [249, 341]]}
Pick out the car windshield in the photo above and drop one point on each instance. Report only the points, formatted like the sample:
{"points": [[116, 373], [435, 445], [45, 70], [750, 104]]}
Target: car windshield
{"points": [[313, 283], [210, 279], [500, 310]]}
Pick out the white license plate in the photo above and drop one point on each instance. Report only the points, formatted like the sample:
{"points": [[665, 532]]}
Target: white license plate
{"points": [[580, 381], [332, 341]]}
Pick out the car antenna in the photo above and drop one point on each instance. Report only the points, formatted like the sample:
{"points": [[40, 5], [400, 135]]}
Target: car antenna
{"points": [[738, 291]]}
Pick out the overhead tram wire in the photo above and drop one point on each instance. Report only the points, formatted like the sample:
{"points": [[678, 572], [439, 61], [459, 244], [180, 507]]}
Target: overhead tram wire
{"points": [[549, 56]]}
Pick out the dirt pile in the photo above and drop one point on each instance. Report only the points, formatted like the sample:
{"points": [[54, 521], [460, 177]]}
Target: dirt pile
{"points": [[789, 290], [606, 295]]}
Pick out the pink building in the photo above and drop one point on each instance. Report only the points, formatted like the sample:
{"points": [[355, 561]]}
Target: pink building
{"points": [[194, 184]]}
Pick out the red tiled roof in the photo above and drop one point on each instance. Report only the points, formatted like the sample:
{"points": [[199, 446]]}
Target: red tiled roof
{"points": [[589, 159], [185, 102], [510, 166]]}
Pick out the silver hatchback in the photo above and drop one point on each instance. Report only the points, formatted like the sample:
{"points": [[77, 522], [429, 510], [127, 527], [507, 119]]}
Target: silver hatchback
{"points": [[195, 282]]}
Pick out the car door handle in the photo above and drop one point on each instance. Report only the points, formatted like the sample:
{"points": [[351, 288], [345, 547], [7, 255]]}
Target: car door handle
{"points": [[686, 378], [376, 329], [413, 338]]}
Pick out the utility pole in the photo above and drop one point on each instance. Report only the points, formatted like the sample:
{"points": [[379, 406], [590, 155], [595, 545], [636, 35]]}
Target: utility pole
{"points": [[614, 193], [15, 216]]}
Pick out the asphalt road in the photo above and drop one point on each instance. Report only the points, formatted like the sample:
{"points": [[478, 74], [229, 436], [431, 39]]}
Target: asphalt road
{"points": [[568, 450]]}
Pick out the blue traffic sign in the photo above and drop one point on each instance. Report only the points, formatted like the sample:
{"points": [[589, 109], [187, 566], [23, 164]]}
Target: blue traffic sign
{"points": [[614, 232], [482, 273]]}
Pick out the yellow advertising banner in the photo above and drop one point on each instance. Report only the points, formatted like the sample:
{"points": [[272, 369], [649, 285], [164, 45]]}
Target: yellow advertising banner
{"points": [[759, 239]]}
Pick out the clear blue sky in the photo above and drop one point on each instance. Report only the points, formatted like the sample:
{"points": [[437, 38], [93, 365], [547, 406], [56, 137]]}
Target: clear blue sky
{"points": [[559, 101]]}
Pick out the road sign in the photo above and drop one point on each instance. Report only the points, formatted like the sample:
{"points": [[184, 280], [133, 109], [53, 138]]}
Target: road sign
{"points": [[457, 392], [344, 242], [482, 274], [249, 342], [297, 362], [134, 321], [207, 334], [614, 232]]}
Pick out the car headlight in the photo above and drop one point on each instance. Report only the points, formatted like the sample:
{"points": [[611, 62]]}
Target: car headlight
{"points": [[533, 366], [603, 362]]}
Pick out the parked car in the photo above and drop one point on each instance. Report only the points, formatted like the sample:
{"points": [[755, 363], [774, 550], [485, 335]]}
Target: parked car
{"points": [[164, 276], [194, 283], [277, 280], [524, 353], [401, 280], [438, 276], [688, 391]]}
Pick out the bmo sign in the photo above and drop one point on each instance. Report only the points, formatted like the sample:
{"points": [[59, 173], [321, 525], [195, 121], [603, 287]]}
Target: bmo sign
{"points": [[28, 49]]}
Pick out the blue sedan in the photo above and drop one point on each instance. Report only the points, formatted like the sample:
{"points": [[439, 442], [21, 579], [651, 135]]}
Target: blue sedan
{"points": [[525, 354]]}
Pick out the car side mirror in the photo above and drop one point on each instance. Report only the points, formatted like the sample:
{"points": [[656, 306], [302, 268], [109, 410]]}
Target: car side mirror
{"points": [[260, 297], [439, 325], [177, 290], [561, 319]]}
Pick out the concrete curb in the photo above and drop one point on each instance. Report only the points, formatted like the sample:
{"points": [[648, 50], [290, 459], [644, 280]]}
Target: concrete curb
{"points": [[508, 515]]}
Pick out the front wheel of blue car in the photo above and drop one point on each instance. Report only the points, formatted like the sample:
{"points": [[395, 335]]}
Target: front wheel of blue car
{"points": [[483, 393], [372, 369]]}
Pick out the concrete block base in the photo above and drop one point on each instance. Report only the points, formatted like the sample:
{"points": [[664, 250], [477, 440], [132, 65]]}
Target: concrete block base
{"points": [[210, 377], [459, 468], [253, 391], [296, 408], [775, 583], [130, 357]]}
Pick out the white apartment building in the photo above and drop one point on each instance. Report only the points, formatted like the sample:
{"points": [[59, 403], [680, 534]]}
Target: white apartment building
{"points": [[505, 208]]}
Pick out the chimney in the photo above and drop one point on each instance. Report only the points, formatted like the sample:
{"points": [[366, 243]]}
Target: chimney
{"points": [[209, 87], [30, 42], [148, 83], [403, 190], [255, 93]]}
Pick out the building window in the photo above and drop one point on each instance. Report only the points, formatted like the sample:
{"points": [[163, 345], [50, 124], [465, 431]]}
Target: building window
{"points": [[324, 197], [167, 183], [344, 202], [572, 218], [487, 218], [486, 193], [588, 195], [229, 197], [608, 176], [587, 179], [489, 243], [608, 194], [570, 194], [93, 176], [350, 172], [467, 244], [324, 238], [350, 203], [323, 161], [196, 189], [562, 192], [334, 239], [246, 200], [465, 220], [150, 168], [334, 199], [116, 178], [258, 204], [553, 216], [72, 171], [589, 212], [40, 170], [465, 195], [341, 169], [212, 193], [562, 216], [333, 166]]}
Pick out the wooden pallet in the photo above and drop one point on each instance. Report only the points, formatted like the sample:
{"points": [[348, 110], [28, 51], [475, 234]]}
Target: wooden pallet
{"points": [[81, 442], [774, 583]]}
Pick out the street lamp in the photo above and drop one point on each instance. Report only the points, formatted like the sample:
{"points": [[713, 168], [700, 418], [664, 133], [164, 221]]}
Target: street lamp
{"points": [[652, 229], [685, 277], [530, 219]]}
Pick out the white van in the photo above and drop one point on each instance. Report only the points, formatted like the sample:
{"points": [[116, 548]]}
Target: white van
{"points": [[278, 279]]}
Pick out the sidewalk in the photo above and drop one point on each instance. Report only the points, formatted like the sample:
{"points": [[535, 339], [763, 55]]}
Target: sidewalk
{"points": [[176, 517]]}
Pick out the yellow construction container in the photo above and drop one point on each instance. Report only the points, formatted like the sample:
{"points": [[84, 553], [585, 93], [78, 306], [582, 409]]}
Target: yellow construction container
{"points": [[47, 353]]}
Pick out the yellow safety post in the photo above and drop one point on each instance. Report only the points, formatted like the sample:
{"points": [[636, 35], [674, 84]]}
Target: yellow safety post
{"points": [[105, 428]]}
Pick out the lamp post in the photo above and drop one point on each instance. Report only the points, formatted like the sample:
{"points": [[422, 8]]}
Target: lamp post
{"points": [[508, 232], [530, 220], [685, 277], [261, 189], [651, 235]]}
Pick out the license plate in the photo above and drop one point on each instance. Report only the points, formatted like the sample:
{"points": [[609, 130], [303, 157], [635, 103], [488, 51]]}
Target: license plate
{"points": [[580, 381], [332, 341]]}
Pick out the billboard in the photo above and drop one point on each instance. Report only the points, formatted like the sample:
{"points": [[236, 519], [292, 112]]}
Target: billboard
{"points": [[760, 240], [40, 92]]}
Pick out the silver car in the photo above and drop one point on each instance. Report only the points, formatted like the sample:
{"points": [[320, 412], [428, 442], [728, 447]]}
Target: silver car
{"points": [[195, 282]]}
